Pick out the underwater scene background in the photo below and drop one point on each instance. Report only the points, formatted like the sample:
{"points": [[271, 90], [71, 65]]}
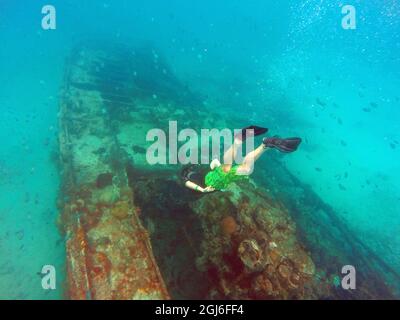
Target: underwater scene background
{"points": [[287, 65]]}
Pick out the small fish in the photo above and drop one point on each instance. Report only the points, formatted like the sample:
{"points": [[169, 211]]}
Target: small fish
{"points": [[393, 146], [320, 102], [340, 121], [346, 175], [20, 234], [318, 169], [138, 149], [373, 105], [366, 109], [341, 187], [343, 143]]}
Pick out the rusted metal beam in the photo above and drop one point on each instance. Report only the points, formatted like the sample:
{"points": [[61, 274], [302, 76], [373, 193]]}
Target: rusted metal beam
{"points": [[109, 255]]}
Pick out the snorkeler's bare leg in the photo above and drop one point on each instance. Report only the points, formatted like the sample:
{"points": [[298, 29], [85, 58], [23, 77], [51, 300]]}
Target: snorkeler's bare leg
{"points": [[239, 138], [231, 153], [246, 168]]}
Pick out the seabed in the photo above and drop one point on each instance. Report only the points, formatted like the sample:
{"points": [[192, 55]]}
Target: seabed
{"points": [[134, 232]]}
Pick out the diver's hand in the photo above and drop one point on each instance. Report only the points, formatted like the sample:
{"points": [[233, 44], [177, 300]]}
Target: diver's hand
{"points": [[208, 189]]}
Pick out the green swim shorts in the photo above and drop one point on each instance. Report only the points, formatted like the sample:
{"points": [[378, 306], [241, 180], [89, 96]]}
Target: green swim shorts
{"points": [[219, 180]]}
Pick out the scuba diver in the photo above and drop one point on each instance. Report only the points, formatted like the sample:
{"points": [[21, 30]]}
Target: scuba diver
{"points": [[222, 175]]}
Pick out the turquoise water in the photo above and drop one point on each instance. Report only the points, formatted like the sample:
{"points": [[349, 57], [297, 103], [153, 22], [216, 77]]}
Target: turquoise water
{"points": [[288, 64]]}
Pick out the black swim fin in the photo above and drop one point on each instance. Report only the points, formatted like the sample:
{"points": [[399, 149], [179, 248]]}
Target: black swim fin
{"points": [[257, 131], [284, 145]]}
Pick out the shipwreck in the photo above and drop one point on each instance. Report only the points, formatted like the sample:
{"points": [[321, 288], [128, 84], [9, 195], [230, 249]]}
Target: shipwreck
{"points": [[134, 232]]}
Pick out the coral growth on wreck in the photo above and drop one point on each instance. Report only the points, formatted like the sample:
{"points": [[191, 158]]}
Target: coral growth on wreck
{"points": [[262, 258], [228, 225]]}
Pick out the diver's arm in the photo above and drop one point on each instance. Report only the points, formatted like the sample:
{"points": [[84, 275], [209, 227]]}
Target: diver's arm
{"points": [[193, 186]]}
